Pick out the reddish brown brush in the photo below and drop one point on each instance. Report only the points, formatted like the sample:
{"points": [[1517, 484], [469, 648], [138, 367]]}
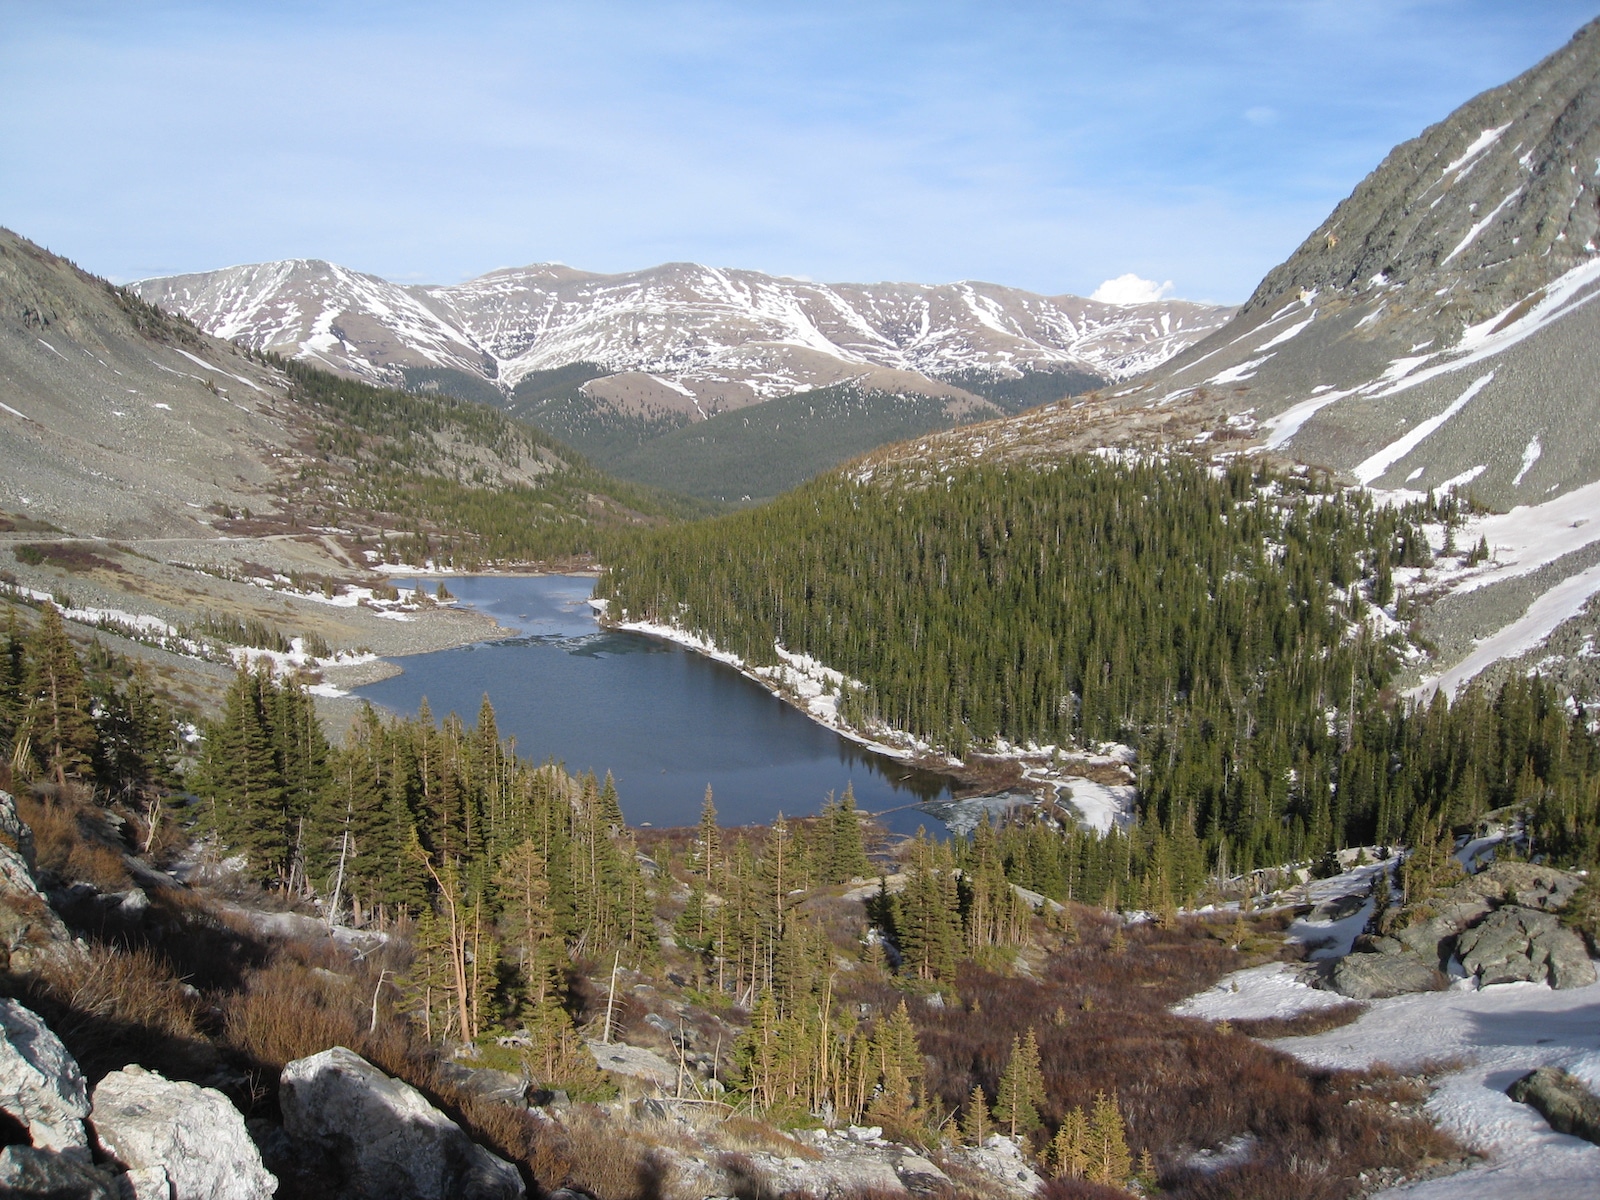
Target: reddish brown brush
{"points": [[1102, 1022], [1306, 1024]]}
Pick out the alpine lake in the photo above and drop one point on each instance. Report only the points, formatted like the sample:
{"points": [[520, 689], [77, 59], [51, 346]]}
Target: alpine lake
{"points": [[666, 722]]}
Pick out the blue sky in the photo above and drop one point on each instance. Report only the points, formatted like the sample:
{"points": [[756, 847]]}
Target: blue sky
{"points": [[1049, 146]]}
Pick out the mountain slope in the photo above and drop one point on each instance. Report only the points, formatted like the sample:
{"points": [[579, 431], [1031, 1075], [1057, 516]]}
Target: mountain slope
{"points": [[118, 420], [1435, 332]]}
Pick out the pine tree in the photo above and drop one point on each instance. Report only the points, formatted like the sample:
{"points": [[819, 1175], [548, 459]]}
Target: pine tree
{"points": [[847, 857], [975, 1121], [57, 720], [524, 894], [1109, 1159], [708, 849], [1021, 1088], [241, 778], [1069, 1150]]}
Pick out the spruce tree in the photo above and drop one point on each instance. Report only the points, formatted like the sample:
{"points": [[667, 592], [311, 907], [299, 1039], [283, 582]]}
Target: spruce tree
{"points": [[57, 721], [1070, 1148], [975, 1121], [1109, 1159], [847, 857], [1021, 1088]]}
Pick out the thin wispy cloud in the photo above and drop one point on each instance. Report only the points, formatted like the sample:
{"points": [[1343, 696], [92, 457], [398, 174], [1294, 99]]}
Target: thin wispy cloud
{"points": [[1044, 145]]}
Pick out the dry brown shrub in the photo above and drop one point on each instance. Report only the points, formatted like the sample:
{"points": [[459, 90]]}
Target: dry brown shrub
{"points": [[1082, 1189], [1306, 1024], [134, 986], [112, 1007], [744, 1134], [68, 845], [1181, 1083]]}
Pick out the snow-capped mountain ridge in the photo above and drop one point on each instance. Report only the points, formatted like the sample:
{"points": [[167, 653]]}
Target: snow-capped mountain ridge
{"points": [[729, 336]]}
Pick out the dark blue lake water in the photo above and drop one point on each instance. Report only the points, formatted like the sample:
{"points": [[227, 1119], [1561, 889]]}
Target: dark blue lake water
{"points": [[665, 722]]}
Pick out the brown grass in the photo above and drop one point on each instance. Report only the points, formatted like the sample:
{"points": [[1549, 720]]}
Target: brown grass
{"points": [[71, 842], [112, 1007]]}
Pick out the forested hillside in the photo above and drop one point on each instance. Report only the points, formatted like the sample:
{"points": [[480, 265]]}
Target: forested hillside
{"points": [[468, 484], [1231, 627]]}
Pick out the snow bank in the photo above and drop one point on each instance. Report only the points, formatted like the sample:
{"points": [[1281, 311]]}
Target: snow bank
{"points": [[1504, 1031]]}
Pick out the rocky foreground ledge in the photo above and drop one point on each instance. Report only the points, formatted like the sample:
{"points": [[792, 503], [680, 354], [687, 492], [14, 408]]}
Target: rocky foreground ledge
{"points": [[142, 1137]]}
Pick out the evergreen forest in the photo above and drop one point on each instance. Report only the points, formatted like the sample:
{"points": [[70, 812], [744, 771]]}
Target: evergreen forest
{"points": [[1237, 627]]}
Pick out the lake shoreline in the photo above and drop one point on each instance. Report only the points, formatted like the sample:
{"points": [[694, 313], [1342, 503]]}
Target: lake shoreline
{"points": [[984, 777]]}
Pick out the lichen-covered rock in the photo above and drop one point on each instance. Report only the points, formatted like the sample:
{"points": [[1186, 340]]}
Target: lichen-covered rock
{"points": [[1515, 944], [1564, 1102], [28, 1171], [40, 1083], [191, 1134], [1377, 976], [384, 1137]]}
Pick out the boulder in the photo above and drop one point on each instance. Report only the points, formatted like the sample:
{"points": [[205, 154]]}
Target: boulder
{"points": [[189, 1134], [1562, 1100], [1516, 944], [1376, 976], [644, 1067], [1451, 912], [15, 834], [27, 1171], [485, 1082], [40, 1083], [384, 1137]]}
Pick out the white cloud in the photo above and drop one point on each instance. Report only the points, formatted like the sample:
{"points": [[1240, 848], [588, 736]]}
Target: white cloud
{"points": [[1261, 115], [1130, 289]]}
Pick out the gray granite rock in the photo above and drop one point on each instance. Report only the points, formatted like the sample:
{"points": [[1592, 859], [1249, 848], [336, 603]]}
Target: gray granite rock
{"points": [[1564, 1102], [1376, 976], [192, 1135], [384, 1136], [40, 1083]]}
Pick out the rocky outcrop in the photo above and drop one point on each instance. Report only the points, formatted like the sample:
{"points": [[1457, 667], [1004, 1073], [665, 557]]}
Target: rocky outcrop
{"points": [[1527, 884], [1516, 944], [29, 1172], [40, 1083], [1562, 1100], [644, 1069], [1376, 976], [850, 1162], [31, 934], [178, 1140], [383, 1137], [1500, 923]]}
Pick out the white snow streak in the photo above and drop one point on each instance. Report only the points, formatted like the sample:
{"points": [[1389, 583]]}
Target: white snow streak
{"points": [[1292, 331], [1380, 462], [1530, 455], [1480, 226], [1561, 603]]}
